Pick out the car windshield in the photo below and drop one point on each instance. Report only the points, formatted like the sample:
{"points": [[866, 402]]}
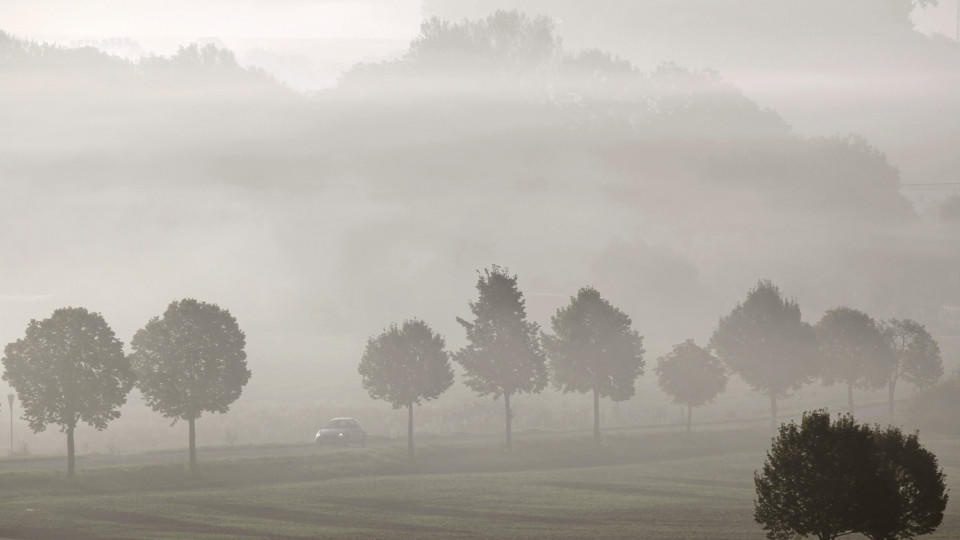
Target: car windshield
{"points": [[342, 423]]}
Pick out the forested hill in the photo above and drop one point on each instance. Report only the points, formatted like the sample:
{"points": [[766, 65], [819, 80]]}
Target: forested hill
{"points": [[826, 66], [488, 142], [484, 79]]}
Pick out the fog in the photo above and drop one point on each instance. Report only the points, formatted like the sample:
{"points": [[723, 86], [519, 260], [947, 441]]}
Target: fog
{"points": [[323, 170]]}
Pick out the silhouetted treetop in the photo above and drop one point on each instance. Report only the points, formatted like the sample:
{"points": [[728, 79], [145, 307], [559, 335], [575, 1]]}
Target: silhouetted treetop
{"points": [[691, 375], [503, 353], [406, 364], [827, 479], [916, 352], [191, 360], [853, 349], [594, 347], [191, 67], [766, 342], [501, 40]]}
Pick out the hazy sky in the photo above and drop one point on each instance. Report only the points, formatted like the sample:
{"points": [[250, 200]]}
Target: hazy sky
{"points": [[305, 43], [289, 19], [160, 25]]}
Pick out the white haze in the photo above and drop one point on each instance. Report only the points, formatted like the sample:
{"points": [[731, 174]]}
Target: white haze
{"points": [[319, 217]]}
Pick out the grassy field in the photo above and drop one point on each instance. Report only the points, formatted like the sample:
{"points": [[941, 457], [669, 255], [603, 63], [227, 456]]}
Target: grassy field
{"points": [[637, 485]]}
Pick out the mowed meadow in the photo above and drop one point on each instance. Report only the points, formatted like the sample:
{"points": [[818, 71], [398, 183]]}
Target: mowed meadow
{"points": [[639, 483]]}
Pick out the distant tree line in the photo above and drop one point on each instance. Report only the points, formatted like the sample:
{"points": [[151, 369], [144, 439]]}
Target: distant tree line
{"points": [[593, 349], [71, 368]]}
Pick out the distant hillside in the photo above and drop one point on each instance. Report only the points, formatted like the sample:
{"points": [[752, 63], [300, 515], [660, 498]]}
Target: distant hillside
{"points": [[825, 66], [320, 218]]}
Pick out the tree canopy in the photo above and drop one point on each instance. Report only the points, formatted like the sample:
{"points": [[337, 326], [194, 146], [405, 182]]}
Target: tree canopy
{"points": [[915, 493], [405, 365], [828, 478], [503, 355], [594, 349], [68, 368], [496, 41], [691, 375], [765, 342], [853, 351], [190, 361], [916, 355]]}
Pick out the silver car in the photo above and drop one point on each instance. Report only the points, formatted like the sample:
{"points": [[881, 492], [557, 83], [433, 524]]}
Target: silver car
{"points": [[342, 431]]}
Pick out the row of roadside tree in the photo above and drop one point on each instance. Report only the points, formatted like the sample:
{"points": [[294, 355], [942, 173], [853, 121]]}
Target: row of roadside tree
{"points": [[71, 368], [592, 348]]}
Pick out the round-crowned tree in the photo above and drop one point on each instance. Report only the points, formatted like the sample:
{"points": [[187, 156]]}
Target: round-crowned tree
{"points": [[813, 480], [190, 361], [916, 356], [405, 365], [691, 376], [826, 479], [594, 349], [766, 343], [67, 369], [503, 356], [915, 492], [853, 351]]}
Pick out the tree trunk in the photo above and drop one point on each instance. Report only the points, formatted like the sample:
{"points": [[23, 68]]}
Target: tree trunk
{"points": [[410, 450], [71, 452], [689, 417], [596, 414], [892, 389], [773, 411], [509, 420], [850, 398], [193, 443]]}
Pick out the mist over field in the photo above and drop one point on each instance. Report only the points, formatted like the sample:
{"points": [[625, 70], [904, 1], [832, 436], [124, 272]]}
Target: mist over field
{"points": [[564, 152], [324, 170]]}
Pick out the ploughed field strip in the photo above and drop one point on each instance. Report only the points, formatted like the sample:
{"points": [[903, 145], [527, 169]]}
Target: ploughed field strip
{"points": [[655, 485]]}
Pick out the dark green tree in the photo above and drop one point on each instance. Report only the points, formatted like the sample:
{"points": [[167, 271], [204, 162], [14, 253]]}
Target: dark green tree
{"points": [[67, 369], [594, 349], [828, 479], [915, 493], [405, 365], [815, 478], [853, 351], [766, 343], [691, 376], [916, 356], [503, 356], [190, 361]]}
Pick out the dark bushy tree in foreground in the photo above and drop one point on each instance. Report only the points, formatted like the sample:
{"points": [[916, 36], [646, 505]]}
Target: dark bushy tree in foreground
{"points": [[826, 479], [190, 361], [766, 343], [916, 356], [503, 356], [691, 376], [853, 351], [915, 493], [594, 349], [405, 365], [67, 369]]}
